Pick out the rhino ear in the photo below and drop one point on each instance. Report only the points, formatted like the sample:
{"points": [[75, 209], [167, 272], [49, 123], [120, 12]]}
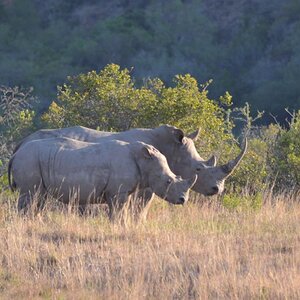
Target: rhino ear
{"points": [[194, 135], [178, 135], [147, 152], [211, 162]]}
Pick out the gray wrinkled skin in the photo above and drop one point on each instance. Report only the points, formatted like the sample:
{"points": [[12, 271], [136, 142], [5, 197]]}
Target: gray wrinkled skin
{"points": [[93, 172], [179, 150]]}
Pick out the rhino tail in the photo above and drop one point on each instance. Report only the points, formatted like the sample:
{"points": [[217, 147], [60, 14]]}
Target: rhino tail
{"points": [[18, 146], [11, 182]]}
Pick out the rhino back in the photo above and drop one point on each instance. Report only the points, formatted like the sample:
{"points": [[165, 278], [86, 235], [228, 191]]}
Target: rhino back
{"points": [[79, 133], [63, 165], [85, 134], [101, 168], [78, 166], [68, 166]]}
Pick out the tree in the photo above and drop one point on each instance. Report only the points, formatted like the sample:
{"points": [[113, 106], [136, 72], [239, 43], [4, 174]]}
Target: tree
{"points": [[109, 100]]}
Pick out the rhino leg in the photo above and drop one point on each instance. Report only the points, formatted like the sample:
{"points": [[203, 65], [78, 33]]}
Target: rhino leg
{"points": [[142, 205], [30, 197], [41, 201], [82, 209], [24, 201], [116, 204]]}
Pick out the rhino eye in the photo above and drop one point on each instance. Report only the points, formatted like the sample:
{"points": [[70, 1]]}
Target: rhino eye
{"points": [[200, 167]]}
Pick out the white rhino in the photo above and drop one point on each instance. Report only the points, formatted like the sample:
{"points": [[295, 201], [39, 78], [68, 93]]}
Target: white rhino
{"points": [[93, 172], [179, 150]]}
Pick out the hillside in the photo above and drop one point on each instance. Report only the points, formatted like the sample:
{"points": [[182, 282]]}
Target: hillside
{"points": [[250, 48]]}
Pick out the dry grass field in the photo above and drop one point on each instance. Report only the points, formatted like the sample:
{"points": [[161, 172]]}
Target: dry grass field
{"points": [[194, 252]]}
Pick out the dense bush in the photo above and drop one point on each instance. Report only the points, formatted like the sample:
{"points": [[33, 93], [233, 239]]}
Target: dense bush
{"points": [[109, 100], [286, 155], [16, 121], [252, 172]]}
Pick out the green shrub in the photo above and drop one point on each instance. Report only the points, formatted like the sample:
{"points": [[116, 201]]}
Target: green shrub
{"points": [[286, 155], [16, 121], [235, 201], [109, 100], [252, 172]]}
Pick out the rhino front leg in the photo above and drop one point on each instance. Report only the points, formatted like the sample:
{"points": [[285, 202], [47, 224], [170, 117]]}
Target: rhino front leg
{"points": [[142, 204], [116, 205], [82, 209]]}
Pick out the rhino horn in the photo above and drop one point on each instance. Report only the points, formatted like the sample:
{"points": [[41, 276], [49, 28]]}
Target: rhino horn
{"points": [[232, 164], [192, 180]]}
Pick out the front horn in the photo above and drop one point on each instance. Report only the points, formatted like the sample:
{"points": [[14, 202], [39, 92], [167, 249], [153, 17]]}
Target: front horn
{"points": [[232, 164]]}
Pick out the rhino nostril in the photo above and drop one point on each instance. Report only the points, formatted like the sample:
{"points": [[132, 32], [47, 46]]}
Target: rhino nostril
{"points": [[181, 200], [215, 189]]}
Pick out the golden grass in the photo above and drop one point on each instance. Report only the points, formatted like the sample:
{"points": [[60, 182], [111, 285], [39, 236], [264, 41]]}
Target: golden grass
{"points": [[192, 252]]}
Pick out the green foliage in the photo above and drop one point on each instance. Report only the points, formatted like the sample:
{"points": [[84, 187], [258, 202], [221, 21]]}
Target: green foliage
{"points": [[16, 116], [109, 100], [235, 201], [273, 158], [253, 170], [286, 158], [16, 120], [3, 180]]}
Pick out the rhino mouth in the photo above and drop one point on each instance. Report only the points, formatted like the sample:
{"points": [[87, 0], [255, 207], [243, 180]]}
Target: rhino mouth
{"points": [[211, 194], [180, 201], [214, 191]]}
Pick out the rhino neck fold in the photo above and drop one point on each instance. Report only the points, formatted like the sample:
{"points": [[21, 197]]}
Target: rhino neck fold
{"points": [[144, 178]]}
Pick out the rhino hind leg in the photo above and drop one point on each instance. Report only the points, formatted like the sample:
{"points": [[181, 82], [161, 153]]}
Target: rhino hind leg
{"points": [[32, 199], [24, 202]]}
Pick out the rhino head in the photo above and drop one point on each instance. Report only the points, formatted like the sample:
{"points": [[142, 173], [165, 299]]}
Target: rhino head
{"points": [[157, 175], [185, 161], [211, 179]]}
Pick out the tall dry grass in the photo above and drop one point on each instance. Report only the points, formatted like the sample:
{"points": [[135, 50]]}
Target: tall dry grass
{"points": [[194, 252]]}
